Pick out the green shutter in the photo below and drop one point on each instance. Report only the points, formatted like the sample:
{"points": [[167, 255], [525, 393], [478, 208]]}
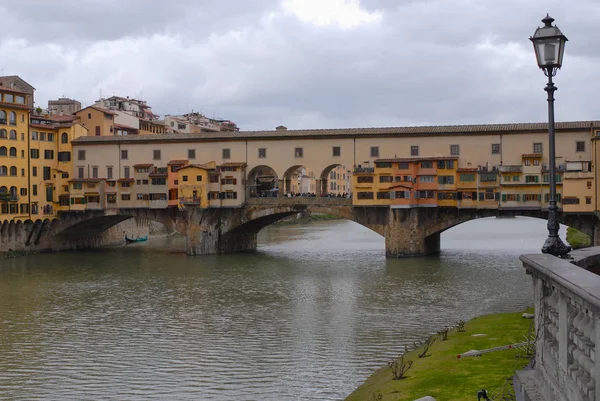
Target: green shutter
{"points": [[497, 196], [503, 197], [518, 197]]}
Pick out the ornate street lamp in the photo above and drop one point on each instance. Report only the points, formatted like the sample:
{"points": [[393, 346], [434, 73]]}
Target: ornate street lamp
{"points": [[549, 45]]}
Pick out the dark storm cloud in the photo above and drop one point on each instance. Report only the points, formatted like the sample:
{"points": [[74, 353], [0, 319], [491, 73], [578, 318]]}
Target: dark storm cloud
{"points": [[307, 63]]}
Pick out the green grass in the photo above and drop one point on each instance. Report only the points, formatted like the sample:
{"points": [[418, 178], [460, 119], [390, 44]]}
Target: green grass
{"points": [[309, 218], [577, 239], [445, 377]]}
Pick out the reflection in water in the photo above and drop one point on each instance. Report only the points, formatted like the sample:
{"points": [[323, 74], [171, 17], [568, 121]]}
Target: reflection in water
{"points": [[308, 316]]}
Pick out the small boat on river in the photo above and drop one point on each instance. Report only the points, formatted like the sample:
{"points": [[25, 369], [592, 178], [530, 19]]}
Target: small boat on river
{"points": [[138, 239]]}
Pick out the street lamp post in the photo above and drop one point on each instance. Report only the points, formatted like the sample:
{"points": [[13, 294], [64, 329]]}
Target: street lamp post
{"points": [[549, 45]]}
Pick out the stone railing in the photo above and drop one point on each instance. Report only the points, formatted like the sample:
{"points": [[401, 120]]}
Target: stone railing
{"points": [[301, 200], [567, 320]]}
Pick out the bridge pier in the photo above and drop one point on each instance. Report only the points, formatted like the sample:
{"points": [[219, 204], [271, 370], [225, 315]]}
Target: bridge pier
{"points": [[406, 234], [208, 232]]}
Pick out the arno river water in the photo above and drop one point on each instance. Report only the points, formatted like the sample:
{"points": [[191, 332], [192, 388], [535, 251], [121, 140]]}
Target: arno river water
{"points": [[309, 316]]}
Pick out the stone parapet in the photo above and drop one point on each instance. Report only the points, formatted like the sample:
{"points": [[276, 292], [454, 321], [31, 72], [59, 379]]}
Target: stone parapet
{"points": [[567, 320]]}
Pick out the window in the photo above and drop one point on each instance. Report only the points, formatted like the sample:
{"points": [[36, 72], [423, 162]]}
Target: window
{"points": [[427, 178], [184, 178], [198, 178], [536, 162], [363, 179], [337, 151], [13, 135], [13, 171], [126, 172], [46, 172], [374, 153], [446, 195], [42, 136], [34, 171], [414, 150], [34, 135], [537, 147], [532, 197], [34, 190], [588, 200], [589, 185], [527, 162], [22, 172], [191, 153], [226, 153], [97, 130], [425, 194], [50, 137], [467, 177], [95, 172], [125, 197], [109, 173], [64, 138], [12, 152], [532, 178], [79, 172], [64, 156], [403, 166], [2, 133], [124, 154], [20, 100], [571, 201], [48, 154], [23, 191], [489, 177], [516, 178], [213, 178], [427, 164], [580, 146], [364, 195], [298, 152], [81, 155], [445, 179], [78, 185], [383, 164], [383, 195], [13, 118], [454, 150], [156, 154], [262, 153], [35, 153], [386, 178]]}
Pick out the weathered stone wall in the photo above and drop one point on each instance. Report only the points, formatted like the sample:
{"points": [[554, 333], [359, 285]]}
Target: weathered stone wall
{"points": [[405, 234]]}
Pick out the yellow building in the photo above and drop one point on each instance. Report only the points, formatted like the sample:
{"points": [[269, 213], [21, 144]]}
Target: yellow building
{"points": [[14, 188], [578, 187], [98, 121], [193, 182]]}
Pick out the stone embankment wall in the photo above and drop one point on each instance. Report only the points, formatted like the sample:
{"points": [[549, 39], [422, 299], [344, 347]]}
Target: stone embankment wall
{"points": [[19, 238]]}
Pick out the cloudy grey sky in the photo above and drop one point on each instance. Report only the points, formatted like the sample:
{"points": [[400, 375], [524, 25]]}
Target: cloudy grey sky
{"points": [[307, 63]]}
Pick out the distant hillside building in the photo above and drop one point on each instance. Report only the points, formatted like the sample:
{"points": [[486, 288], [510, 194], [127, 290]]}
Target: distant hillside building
{"points": [[16, 82], [63, 106]]}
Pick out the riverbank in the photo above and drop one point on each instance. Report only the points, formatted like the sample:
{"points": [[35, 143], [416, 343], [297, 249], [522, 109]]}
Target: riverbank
{"points": [[308, 218], [444, 376]]}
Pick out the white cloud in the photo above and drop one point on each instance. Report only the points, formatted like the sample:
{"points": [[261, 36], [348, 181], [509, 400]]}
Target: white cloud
{"points": [[344, 13]]}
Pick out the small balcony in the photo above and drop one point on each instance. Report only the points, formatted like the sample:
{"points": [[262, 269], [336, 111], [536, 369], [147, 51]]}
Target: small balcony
{"points": [[8, 197], [511, 169], [190, 200], [360, 169]]}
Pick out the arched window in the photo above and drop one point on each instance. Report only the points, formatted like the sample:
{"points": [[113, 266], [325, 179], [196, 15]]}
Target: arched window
{"points": [[13, 152], [3, 171], [64, 138], [13, 118], [3, 151], [2, 134], [2, 117], [3, 190], [13, 134], [13, 192], [13, 171]]}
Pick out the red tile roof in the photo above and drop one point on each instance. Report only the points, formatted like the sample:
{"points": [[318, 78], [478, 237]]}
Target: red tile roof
{"points": [[467, 169], [126, 180], [143, 165], [415, 159], [43, 126], [202, 166], [62, 118], [233, 164], [177, 162], [105, 111], [533, 155]]}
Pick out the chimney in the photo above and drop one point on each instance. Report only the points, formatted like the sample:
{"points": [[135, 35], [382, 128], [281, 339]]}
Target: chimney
{"points": [[280, 128]]}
